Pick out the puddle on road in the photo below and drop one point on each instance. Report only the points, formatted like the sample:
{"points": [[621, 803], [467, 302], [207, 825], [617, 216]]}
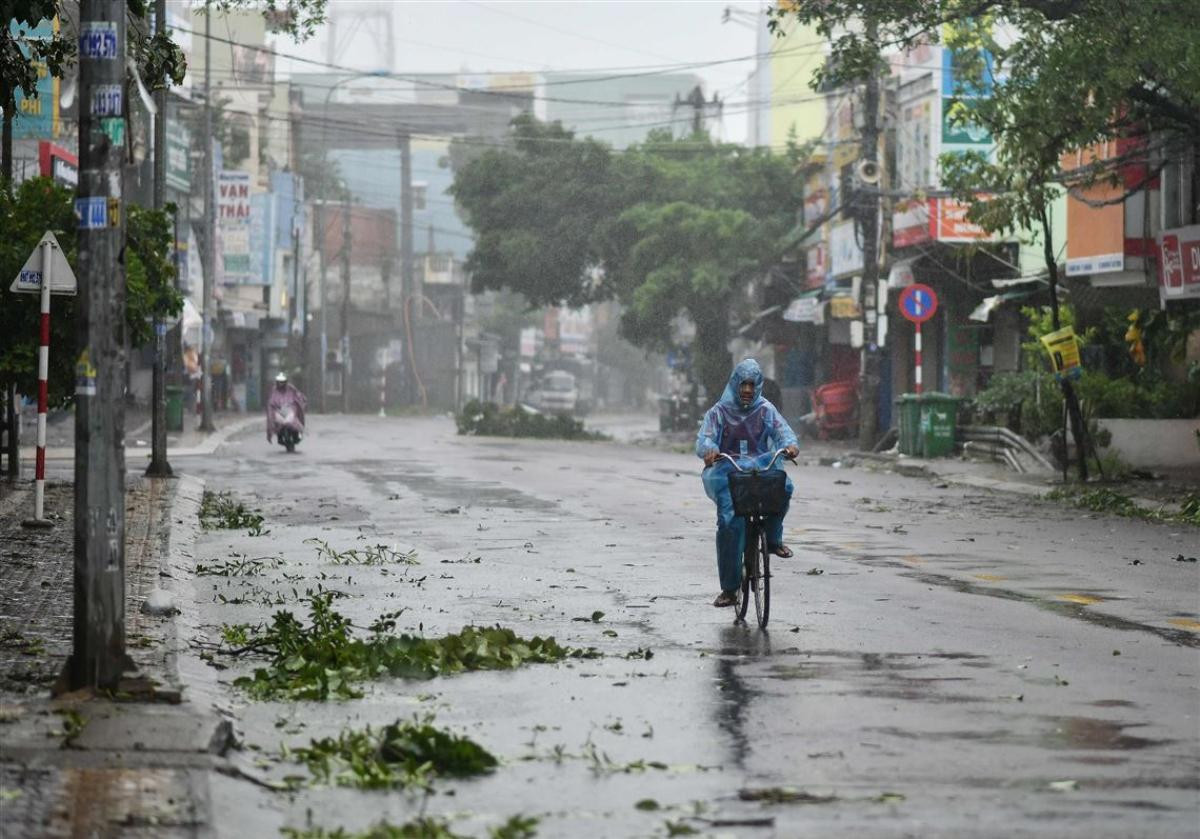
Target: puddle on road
{"points": [[1092, 733], [462, 491], [1061, 734]]}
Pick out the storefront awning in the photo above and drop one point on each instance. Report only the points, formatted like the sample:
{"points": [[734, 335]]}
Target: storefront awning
{"points": [[759, 318], [983, 312], [807, 308]]}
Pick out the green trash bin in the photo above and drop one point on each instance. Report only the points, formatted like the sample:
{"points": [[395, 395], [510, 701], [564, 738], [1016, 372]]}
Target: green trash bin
{"points": [[908, 408], [939, 424], [174, 408]]}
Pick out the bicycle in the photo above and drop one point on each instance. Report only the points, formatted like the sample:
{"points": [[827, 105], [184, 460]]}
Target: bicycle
{"points": [[757, 494]]}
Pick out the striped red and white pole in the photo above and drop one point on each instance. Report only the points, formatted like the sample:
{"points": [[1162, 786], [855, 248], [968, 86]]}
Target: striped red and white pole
{"points": [[39, 475], [917, 356]]}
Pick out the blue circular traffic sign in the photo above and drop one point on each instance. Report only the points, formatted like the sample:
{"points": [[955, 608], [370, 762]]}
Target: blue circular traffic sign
{"points": [[918, 302]]}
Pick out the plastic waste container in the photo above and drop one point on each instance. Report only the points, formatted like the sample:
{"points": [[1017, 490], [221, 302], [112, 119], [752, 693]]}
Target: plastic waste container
{"points": [[939, 424], [174, 408], [908, 408]]}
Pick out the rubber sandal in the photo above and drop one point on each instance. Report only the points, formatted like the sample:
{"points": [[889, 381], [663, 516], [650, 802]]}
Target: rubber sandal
{"points": [[725, 598], [781, 551]]}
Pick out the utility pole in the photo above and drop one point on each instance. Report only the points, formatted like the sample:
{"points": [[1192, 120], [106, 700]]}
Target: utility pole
{"points": [[407, 273], [320, 232], [98, 657], [12, 419], [210, 233], [409, 293], [346, 234], [868, 208], [6, 138], [159, 467]]}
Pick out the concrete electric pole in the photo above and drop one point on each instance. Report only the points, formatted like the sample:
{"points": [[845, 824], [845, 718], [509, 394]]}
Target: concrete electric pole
{"points": [[346, 234], [407, 271], [159, 467], [210, 233], [868, 209], [409, 293], [98, 657]]}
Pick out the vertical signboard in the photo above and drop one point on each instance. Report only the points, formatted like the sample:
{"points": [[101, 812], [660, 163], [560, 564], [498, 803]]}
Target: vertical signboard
{"points": [[816, 266], [845, 250], [37, 117], [262, 244], [959, 66], [233, 218], [178, 148]]}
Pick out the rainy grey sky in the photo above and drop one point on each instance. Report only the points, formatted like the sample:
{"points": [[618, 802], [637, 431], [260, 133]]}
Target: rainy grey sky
{"points": [[475, 37]]}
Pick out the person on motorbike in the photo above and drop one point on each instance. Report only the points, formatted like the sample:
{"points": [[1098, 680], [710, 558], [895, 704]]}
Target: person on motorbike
{"points": [[749, 429], [283, 395]]}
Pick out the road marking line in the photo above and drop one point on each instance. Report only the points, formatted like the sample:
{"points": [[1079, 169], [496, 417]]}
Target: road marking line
{"points": [[1185, 623], [990, 578], [1081, 599]]}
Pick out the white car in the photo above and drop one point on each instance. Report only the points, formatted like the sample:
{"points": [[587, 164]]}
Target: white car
{"points": [[557, 393]]}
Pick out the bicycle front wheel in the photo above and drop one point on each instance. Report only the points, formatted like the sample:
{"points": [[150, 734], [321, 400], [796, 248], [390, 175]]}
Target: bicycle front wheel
{"points": [[761, 581], [749, 561]]}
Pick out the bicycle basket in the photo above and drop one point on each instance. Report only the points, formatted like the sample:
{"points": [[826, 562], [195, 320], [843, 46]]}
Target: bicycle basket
{"points": [[759, 493]]}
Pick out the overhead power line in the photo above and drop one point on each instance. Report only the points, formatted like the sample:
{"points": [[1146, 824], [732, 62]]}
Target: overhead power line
{"points": [[503, 91]]}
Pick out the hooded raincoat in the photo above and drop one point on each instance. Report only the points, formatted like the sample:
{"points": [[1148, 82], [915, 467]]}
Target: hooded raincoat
{"points": [[282, 397], [750, 435]]}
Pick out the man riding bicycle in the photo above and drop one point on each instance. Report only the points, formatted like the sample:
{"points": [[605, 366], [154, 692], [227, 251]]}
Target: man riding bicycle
{"points": [[749, 429]]}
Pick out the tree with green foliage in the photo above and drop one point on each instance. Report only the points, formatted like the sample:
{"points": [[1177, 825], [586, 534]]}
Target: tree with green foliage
{"points": [[671, 227], [40, 204]]}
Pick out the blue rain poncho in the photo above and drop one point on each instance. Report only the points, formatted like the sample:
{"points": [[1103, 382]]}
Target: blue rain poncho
{"points": [[751, 435]]}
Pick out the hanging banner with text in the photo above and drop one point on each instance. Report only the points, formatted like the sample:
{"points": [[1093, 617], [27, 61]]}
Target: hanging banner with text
{"points": [[233, 220]]}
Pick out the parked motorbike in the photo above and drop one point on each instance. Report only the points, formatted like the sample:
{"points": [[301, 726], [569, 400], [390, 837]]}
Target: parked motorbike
{"points": [[288, 428]]}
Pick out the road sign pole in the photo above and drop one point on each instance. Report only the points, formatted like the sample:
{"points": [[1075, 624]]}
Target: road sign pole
{"points": [[918, 303], [39, 475], [917, 355]]}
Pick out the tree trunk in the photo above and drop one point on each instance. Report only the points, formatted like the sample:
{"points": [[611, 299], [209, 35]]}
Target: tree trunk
{"points": [[1078, 428], [711, 360]]}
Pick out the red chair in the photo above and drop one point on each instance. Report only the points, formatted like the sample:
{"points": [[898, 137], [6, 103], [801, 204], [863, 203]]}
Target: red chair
{"points": [[836, 408]]}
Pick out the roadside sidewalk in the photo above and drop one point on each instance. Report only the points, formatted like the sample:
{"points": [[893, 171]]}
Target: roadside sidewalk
{"points": [[1163, 492], [135, 763], [60, 444]]}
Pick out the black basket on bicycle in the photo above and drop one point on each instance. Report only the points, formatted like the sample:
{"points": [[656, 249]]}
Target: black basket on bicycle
{"points": [[759, 493]]}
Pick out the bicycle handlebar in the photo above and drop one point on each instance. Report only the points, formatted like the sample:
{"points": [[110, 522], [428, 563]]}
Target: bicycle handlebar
{"points": [[738, 467]]}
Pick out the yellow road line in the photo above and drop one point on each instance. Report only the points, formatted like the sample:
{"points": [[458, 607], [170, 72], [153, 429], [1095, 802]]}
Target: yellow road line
{"points": [[1081, 599]]}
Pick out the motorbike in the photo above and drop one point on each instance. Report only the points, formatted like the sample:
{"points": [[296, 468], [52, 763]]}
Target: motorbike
{"points": [[288, 428]]}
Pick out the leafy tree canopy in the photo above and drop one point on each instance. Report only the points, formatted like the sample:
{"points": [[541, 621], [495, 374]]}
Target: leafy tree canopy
{"points": [[670, 227], [40, 204]]}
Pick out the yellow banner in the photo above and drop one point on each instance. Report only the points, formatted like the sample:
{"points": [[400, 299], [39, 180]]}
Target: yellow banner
{"points": [[1063, 347]]}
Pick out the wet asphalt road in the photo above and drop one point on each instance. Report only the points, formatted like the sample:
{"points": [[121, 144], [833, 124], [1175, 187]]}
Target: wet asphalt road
{"points": [[940, 661]]}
